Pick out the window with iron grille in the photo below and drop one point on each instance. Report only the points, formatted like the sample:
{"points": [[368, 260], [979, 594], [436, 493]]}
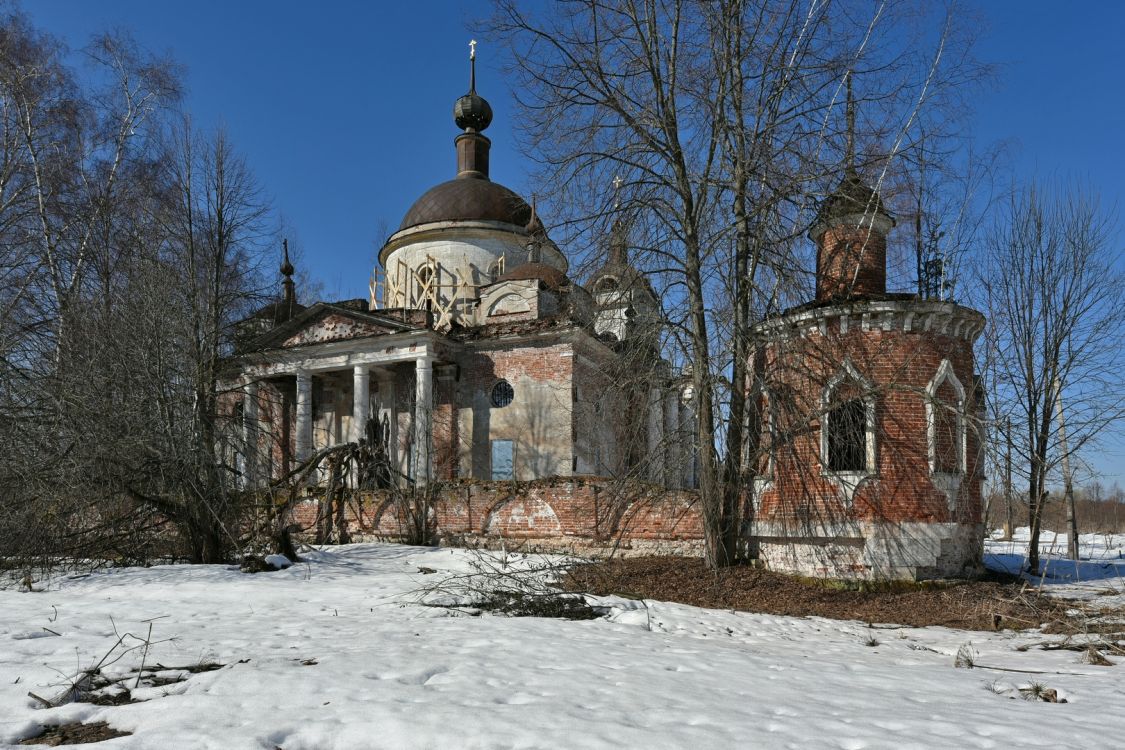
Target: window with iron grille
{"points": [[502, 394], [847, 436]]}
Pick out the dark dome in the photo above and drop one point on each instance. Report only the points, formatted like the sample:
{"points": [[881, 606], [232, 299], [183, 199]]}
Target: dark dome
{"points": [[852, 196], [468, 199], [472, 112], [549, 276]]}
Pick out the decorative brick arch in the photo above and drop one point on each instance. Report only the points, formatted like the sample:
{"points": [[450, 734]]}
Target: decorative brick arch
{"points": [[660, 517], [521, 515], [385, 523]]}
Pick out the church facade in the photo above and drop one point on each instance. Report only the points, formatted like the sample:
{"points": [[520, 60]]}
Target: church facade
{"points": [[476, 356]]}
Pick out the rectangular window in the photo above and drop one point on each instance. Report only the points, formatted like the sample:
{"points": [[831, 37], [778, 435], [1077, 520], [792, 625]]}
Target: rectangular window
{"points": [[847, 436], [503, 459]]}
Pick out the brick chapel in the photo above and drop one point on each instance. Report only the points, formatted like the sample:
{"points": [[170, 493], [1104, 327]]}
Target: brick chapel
{"points": [[869, 413]]}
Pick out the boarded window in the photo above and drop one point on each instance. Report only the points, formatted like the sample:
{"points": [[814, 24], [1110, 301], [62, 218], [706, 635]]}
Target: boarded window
{"points": [[503, 455], [759, 442], [425, 289], [847, 436], [947, 429]]}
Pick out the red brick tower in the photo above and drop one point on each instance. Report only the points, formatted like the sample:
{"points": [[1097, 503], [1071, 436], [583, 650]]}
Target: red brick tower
{"points": [[868, 459]]}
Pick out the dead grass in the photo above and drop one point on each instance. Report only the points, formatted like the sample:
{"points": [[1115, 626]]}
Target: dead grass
{"points": [[75, 734], [990, 604]]}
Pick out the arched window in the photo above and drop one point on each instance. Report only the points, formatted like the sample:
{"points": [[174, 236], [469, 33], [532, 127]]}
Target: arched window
{"points": [[760, 426], [945, 421], [847, 436], [760, 441], [606, 284], [847, 430], [496, 269]]}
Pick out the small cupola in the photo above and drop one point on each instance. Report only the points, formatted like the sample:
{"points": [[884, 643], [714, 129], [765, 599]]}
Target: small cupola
{"points": [[473, 114], [851, 232], [626, 306]]}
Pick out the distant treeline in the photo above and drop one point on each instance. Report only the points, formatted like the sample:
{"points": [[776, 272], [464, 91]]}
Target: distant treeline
{"points": [[1099, 509]]}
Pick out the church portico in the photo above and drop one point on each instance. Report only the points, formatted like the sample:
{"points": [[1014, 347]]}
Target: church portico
{"points": [[326, 394]]}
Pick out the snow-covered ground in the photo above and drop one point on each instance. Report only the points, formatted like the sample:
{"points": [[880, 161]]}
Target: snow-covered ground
{"points": [[1098, 577], [339, 653]]}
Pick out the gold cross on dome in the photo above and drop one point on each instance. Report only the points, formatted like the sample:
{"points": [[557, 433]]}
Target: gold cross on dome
{"points": [[472, 49]]}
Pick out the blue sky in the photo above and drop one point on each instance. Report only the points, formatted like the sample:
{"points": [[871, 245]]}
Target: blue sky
{"points": [[343, 108]]}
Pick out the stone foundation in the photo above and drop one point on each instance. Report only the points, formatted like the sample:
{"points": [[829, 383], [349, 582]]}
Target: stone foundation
{"points": [[873, 550]]}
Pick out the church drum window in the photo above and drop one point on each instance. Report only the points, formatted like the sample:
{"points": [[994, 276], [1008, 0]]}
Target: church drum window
{"points": [[425, 290]]}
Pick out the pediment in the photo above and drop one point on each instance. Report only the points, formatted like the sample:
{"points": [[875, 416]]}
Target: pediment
{"points": [[335, 326], [325, 322], [512, 299]]}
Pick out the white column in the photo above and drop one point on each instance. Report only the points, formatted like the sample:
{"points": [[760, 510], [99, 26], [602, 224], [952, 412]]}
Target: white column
{"points": [[388, 415], [423, 418], [688, 429], [304, 420], [673, 437], [655, 435], [361, 401], [250, 435]]}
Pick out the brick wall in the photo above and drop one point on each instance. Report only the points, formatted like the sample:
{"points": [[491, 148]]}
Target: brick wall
{"points": [[899, 365], [538, 421], [851, 260], [548, 514]]}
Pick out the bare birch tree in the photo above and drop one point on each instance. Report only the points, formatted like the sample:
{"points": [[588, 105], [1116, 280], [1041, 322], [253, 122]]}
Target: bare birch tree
{"points": [[128, 249], [724, 120], [1052, 288]]}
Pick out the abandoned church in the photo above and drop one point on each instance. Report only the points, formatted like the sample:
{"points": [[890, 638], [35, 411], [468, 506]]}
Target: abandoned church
{"points": [[544, 410]]}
